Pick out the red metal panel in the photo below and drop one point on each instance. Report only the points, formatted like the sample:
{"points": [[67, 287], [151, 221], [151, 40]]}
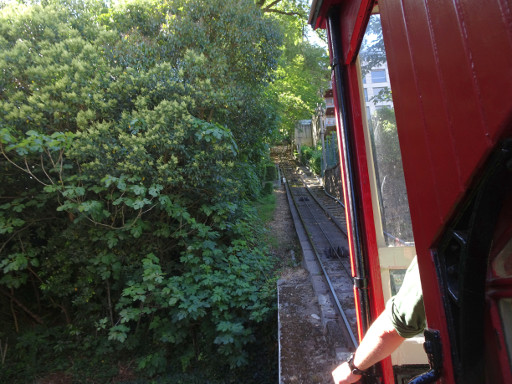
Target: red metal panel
{"points": [[322, 6], [410, 122], [488, 33], [354, 16], [460, 88], [451, 87], [464, 97], [450, 65], [434, 112]]}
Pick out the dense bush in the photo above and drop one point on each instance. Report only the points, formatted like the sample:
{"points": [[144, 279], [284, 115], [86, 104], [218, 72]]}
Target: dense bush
{"points": [[312, 157], [306, 153], [270, 172], [126, 168]]}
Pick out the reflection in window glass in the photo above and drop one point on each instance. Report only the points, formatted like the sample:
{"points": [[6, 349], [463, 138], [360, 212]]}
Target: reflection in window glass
{"points": [[378, 76], [506, 321], [380, 95], [396, 278], [394, 206], [502, 263]]}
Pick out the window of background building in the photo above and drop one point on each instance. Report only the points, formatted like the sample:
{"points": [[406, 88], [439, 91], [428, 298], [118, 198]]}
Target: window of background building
{"points": [[378, 76]]}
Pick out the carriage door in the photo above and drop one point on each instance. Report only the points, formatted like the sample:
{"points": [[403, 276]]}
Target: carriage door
{"points": [[389, 197]]}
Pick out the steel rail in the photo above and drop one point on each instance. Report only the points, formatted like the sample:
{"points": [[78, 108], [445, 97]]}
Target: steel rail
{"points": [[349, 274], [334, 220], [339, 308]]}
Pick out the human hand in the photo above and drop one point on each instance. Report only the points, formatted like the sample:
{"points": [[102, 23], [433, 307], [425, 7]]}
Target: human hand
{"points": [[343, 375]]}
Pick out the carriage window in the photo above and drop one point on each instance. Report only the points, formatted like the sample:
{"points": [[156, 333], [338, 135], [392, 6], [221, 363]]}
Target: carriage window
{"points": [[393, 229], [380, 118]]}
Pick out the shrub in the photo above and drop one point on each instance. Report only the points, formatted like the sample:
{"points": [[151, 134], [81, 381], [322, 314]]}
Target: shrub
{"points": [[125, 182], [268, 188], [312, 157], [315, 162], [270, 172], [305, 154]]}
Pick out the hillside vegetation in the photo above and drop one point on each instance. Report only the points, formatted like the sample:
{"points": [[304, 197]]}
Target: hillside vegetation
{"points": [[133, 141]]}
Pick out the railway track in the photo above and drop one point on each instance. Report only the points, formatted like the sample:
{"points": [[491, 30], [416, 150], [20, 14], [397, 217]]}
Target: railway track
{"points": [[324, 222]]}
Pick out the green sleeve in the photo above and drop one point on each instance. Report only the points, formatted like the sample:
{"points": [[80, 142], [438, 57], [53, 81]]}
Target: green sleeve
{"points": [[405, 309]]}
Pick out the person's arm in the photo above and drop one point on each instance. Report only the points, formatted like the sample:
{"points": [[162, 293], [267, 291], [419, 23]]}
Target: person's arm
{"points": [[403, 317], [379, 342]]}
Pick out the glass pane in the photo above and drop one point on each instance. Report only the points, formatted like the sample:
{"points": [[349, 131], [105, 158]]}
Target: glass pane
{"points": [[378, 76], [380, 115], [502, 264], [506, 319], [396, 278]]}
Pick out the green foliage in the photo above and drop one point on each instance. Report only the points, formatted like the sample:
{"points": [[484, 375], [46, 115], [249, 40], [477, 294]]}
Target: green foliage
{"points": [[265, 206], [384, 95], [306, 153], [387, 156], [315, 163], [312, 157], [302, 74], [222, 54], [270, 172], [268, 188], [373, 52], [297, 8], [131, 140]]}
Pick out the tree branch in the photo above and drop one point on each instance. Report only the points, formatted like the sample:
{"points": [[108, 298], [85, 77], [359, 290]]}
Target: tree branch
{"points": [[271, 4], [290, 13], [20, 304]]}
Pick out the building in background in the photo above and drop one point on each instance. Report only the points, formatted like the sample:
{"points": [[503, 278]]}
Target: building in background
{"points": [[376, 89], [303, 134]]}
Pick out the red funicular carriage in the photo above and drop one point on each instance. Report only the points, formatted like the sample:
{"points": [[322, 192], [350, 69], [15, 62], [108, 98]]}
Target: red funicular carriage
{"points": [[442, 90]]}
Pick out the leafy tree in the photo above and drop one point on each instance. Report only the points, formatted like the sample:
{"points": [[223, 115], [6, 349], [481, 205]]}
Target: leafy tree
{"points": [[296, 8], [224, 52], [130, 140], [303, 73], [392, 189], [373, 52], [373, 55]]}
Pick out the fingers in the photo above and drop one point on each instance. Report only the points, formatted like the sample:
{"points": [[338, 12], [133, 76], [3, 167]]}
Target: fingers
{"points": [[343, 375]]}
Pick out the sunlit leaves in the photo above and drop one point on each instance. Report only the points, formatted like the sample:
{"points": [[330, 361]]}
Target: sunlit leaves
{"points": [[129, 140], [302, 74]]}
